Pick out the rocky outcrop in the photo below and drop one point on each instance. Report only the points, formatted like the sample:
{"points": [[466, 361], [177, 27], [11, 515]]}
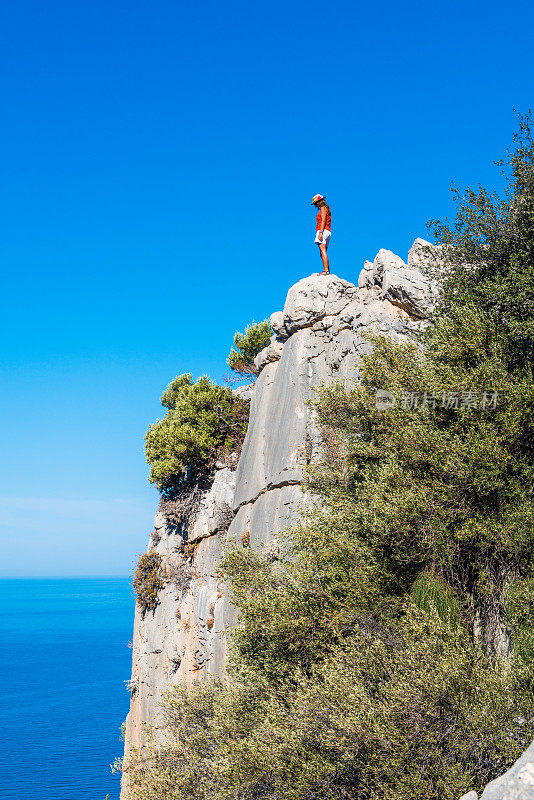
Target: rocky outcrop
{"points": [[319, 337]]}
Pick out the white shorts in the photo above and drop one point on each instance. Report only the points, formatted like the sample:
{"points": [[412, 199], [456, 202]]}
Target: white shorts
{"points": [[326, 237]]}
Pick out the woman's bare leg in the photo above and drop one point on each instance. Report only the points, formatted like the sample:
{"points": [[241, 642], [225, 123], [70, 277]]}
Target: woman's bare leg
{"points": [[326, 266]]}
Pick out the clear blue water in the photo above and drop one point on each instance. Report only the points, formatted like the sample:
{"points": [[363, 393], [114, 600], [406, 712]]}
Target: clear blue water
{"points": [[63, 662]]}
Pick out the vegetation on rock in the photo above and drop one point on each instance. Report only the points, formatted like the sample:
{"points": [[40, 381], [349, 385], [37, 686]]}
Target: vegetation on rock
{"points": [[386, 649], [148, 580], [247, 346], [204, 422]]}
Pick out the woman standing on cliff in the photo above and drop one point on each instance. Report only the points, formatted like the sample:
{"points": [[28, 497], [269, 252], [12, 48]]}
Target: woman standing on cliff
{"points": [[323, 230]]}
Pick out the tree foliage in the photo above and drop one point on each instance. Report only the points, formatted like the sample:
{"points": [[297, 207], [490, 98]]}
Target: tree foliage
{"points": [[489, 249], [247, 346], [442, 488], [203, 422]]}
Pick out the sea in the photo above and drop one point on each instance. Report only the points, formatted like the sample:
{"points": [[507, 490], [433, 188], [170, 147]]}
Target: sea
{"points": [[64, 658]]}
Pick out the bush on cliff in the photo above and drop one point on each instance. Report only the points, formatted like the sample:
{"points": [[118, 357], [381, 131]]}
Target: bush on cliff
{"points": [[148, 580], [386, 648], [247, 346], [405, 711], [339, 685], [203, 422]]}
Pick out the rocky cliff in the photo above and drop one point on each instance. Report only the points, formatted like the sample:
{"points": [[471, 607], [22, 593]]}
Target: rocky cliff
{"points": [[319, 337]]}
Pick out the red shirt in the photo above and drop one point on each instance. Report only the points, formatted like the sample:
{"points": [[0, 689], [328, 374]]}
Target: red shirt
{"points": [[327, 223]]}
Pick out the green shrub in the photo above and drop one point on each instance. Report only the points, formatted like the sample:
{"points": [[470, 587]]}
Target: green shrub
{"points": [[408, 711], [247, 346], [203, 422], [148, 580], [520, 608]]}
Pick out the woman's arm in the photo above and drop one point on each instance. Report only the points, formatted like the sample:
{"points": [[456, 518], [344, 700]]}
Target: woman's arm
{"points": [[323, 222]]}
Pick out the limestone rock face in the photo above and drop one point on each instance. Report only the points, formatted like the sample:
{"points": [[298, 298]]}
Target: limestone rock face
{"points": [[319, 337], [310, 300], [272, 352], [184, 638], [422, 253], [244, 392], [215, 508], [408, 289]]}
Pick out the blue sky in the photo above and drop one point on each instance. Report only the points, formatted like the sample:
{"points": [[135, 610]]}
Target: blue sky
{"points": [[158, 163]]}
